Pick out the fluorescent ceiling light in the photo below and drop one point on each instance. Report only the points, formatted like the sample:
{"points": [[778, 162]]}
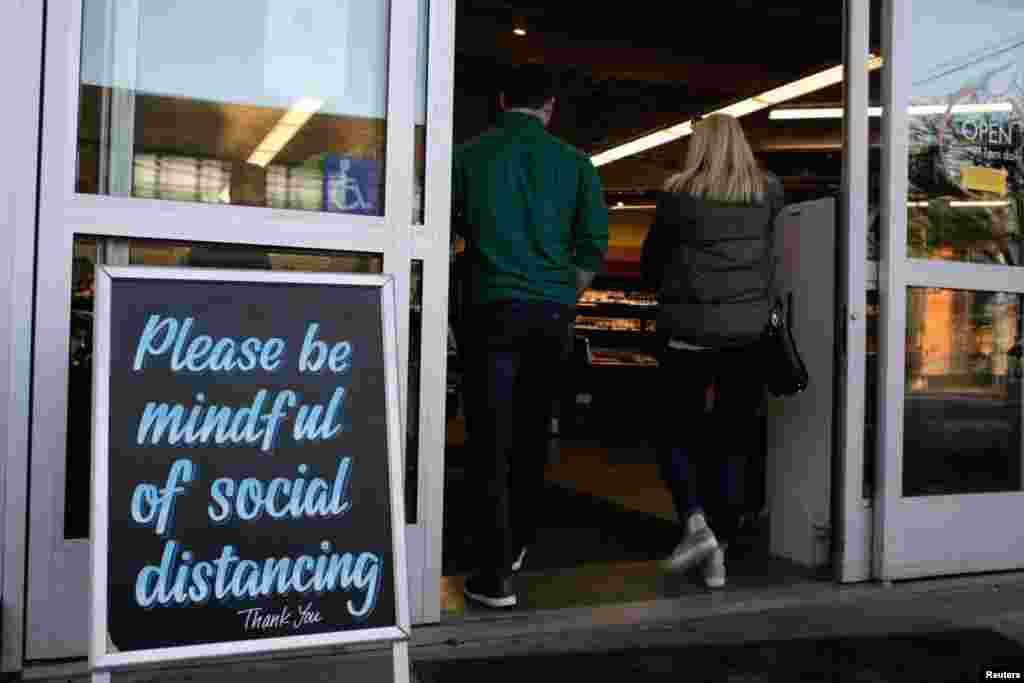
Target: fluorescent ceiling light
{"points": [[747, 106], [995, 204], [641, 144], [282, 133], [815, 113], [916, 110], [798, 88], [990, 204]]}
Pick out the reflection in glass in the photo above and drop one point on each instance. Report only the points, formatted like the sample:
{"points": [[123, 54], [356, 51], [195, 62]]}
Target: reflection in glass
{"points": [[420, 135], [287, 109], [966, 147], [154, 253], [962, 414], [412, 436], [871, 368], [78, 472]]}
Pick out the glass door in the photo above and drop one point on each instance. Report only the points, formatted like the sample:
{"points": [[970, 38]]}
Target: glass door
{"points": [[287, 142], [951, 285], [851, 512]]}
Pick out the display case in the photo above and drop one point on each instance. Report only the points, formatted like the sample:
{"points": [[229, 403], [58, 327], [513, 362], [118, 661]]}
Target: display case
{"points": [[614, 362], [616, 323]]}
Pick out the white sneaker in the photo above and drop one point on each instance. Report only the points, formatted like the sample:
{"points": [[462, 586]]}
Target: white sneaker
{"points": [[518, 564], [714, 568], [698, 543]]}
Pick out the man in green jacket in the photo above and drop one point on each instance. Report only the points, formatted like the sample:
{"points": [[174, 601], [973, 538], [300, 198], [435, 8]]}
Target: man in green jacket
{"points": [[533, 217]]}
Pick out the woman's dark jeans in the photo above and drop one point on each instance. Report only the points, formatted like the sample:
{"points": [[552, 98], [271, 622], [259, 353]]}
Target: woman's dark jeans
{"points": [[704, 456]]}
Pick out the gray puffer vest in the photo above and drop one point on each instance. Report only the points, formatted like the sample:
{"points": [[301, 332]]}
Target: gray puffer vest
{"points": [[713, 265]]}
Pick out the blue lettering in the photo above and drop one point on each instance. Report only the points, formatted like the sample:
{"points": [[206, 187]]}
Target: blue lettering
{"points": [[250, 492], [197, 348], [219, 491], [311, 345], [179, 344], [278, 486], [279, 571], [147, 342], [316, 498], [304, 563], [339, 360], [250, 350], [367, 578], [144, 503], [163, 417], [313, 423], [145, 586], [181, 582], [339, 492], [270, 358], [199, 593], [224, 562]]}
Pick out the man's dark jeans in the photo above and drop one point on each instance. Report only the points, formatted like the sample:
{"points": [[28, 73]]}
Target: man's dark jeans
{"points": [[515, 355]]}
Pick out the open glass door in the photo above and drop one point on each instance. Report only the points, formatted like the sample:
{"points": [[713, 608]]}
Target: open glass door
{"points": [[287, 142], [851, 511], [951, 284]]}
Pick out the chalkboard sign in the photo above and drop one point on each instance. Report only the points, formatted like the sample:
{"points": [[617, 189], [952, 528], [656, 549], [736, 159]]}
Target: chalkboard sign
{"points": [[246, 474]]}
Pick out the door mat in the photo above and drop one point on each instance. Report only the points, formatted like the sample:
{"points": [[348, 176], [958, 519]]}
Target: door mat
{"points": [[956, 655]]}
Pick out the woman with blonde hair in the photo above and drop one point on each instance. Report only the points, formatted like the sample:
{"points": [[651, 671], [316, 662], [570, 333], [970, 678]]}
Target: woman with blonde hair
{"points": [[709, 256]]}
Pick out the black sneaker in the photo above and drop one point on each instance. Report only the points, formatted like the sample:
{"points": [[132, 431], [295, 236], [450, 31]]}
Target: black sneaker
{"points": [[490, 590]]}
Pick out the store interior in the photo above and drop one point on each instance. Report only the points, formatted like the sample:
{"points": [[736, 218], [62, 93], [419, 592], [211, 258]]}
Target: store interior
{"points": [[624, 76]]}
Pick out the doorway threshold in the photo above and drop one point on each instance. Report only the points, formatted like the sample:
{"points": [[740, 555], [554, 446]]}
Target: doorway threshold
{"points": [[546, 586]]}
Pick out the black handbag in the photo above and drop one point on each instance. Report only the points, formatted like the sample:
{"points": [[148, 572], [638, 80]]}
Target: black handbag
{"points": [[785, 372]]}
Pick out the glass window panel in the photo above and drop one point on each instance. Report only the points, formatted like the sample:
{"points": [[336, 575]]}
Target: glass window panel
{"points": [[413, 406], [78, 474], [874, 312], [966, 128], [962, 411], [155, 253], [287, 109], [420, 136]]}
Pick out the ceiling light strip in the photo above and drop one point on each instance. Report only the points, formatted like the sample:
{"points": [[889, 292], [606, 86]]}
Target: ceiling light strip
{"points": [[976, 204], [784, 93], [282, 133], [915, 110]]}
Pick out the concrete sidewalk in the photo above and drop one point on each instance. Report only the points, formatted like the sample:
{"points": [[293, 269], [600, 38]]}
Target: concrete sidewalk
{"points": [[871, 632], [805, 609], [779, 632]]}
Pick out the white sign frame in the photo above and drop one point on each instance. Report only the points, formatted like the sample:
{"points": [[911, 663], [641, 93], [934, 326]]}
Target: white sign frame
{"points": [[101, 660]]}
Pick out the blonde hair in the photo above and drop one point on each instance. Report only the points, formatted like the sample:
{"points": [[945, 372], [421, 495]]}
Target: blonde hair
{"points": [[720, 164]]}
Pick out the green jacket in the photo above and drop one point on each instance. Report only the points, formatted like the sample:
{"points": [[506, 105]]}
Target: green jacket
{"points": [[531, 210]]}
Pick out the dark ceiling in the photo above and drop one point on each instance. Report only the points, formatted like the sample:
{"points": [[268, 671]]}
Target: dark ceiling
{"points": [[630, 68]]}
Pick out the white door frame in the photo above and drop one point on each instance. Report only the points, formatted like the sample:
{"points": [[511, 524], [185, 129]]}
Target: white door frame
{"points": [[21, 43], [851, 513], [57, 589], [432, 246], [913, 535]]}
